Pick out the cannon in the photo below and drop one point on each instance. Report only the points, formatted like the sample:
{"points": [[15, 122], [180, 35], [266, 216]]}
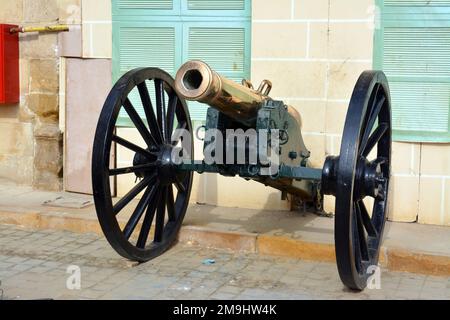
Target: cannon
{"points": [[247, 134]]}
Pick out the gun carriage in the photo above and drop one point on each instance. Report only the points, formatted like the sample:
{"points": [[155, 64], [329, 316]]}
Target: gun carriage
{"points": [[163, 185]]}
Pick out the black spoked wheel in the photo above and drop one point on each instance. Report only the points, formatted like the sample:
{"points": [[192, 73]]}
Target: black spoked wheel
{"points": [[160, 194], [359, 178]]}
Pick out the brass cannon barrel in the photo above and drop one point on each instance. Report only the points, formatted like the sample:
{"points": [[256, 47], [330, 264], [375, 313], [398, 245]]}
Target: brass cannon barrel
{"points": [[196, 81]]}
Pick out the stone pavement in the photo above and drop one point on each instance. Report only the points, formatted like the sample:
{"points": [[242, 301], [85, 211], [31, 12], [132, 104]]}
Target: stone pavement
{"points": [[409, 247], [34, 265]]}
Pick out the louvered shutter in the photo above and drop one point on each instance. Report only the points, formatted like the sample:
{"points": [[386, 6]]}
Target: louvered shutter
{"points": [[166, 33], [412, 46], [223, 47], [145, 45], [216, 5], [123, 8], [222, 8]]}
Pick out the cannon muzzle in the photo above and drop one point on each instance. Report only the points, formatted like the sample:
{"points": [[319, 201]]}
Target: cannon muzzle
{"points": [[196, 81]]}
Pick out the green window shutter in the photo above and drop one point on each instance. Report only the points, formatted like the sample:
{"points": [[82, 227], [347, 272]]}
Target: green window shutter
{"points": [[412, 46], [216, 5], [166, 33], [416, 3], [145, 45], [145, 4], [124, 8], [223, 46]]}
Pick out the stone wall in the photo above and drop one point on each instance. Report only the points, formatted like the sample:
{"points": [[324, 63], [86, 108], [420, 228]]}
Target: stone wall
{"points": [[32, 152], [317, 50]]}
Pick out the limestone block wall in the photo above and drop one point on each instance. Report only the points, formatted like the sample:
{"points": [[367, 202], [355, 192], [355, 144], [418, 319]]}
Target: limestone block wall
{"points": [[314, 51], [31, 145]]}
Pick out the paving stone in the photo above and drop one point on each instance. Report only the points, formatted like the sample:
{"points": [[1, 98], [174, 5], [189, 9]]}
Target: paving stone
{"points": [[40, 269], [21, 267], [407, 294], [35, 262], [16, 260], [37, 269], [223, 296], [51, 264], [6, 265]]}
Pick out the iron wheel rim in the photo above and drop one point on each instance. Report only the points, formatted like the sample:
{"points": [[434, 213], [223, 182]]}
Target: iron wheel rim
{"points": [[357, 238], [156, 196]]}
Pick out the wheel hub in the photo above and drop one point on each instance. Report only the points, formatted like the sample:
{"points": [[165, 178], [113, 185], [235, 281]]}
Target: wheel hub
{"points": [[165, 168], [139, 160], [329, 175], [369, 179]]}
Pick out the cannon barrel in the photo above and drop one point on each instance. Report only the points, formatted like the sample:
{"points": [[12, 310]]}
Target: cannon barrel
{"points": [[196, 81]]}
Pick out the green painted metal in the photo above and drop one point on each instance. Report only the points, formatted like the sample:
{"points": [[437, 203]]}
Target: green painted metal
{"points": [[412, 46], [301, 173], [296, 173], [166, 33]]}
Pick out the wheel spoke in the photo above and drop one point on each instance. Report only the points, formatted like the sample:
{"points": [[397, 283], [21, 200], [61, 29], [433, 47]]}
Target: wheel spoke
{"points": [[133, 193], [138, 212], [128, 170], [375, 107], [375, 138], [378, 217], [149, 112], [182, 126], [176, 137], [366, 220], [381, 160], [160, 215], [139, 124], [362, 242], [149, 215], [179, 185], [161, 106], [173, 101], [131, 146], [371, 122], [170, 204]]}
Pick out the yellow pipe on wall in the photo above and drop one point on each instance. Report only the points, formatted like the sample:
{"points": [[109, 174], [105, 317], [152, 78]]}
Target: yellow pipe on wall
{"points": [[55, 28]]}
